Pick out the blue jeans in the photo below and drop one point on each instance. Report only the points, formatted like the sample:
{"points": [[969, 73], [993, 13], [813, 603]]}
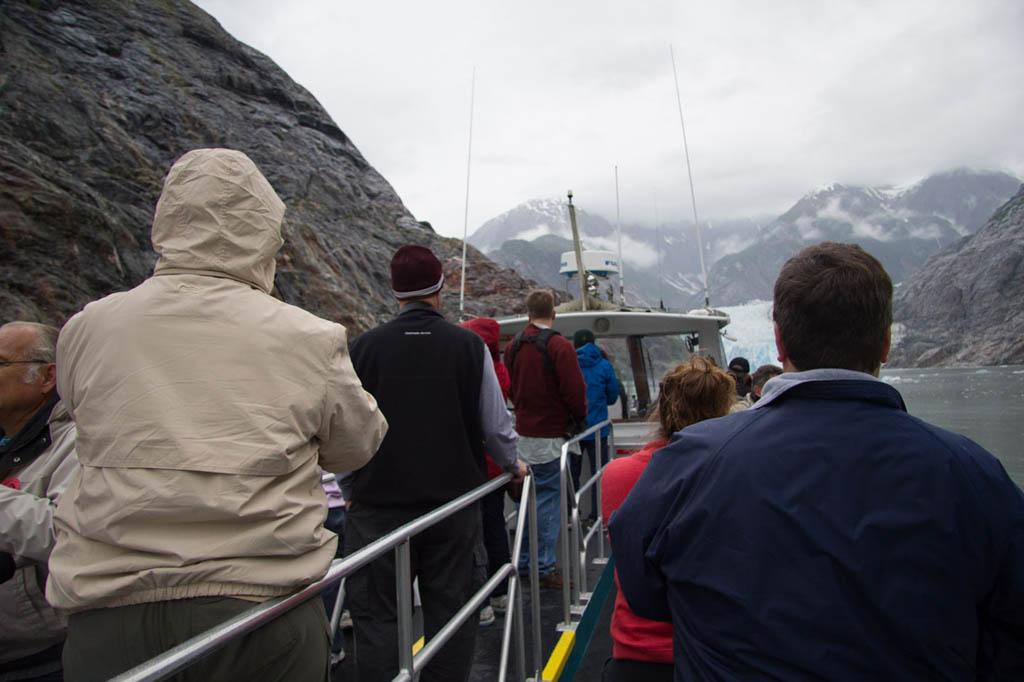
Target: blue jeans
{"points": [[548, 519]]}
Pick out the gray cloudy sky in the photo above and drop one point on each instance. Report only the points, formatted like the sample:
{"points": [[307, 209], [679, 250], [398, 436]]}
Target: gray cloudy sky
{"points": [[779, 97]]}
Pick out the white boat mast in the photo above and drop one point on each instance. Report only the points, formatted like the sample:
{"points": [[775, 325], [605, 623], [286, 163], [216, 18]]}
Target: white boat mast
{"points": [[465, 214], [689, 173], [580, 267]]}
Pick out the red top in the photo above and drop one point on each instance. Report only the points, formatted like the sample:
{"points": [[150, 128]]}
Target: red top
{"points": [[634, 638], [542, 403], [487, 329]]}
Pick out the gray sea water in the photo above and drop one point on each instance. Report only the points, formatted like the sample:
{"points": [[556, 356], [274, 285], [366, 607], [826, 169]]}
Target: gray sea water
{"points": [[986, 404]]}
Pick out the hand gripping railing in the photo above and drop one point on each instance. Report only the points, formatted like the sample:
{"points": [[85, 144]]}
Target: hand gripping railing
{"points": [[177, 658], [574, 591]]}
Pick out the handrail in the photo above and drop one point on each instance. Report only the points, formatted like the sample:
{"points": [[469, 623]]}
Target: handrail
{"points": [[180, 656], [571, 592]]}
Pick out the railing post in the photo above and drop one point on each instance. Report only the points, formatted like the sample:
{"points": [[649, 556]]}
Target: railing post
{"points": [[403, 589], [531, 513], [563, 535], [600, 506]]}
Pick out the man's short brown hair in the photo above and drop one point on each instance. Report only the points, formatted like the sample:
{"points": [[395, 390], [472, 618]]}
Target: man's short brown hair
{"points": [[833, 305], [540, 304]]}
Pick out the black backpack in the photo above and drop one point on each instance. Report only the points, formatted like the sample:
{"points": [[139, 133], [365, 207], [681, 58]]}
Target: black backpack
{"points": [[540, 342]]}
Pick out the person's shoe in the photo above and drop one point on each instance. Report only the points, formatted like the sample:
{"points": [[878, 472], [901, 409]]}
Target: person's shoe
{"points": [[337, 658], [500, 604], [551, 581], [486, 615], [345, 622]]}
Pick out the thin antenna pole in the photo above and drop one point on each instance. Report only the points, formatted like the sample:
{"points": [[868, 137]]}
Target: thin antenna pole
{"points": [[657, 241], [618, 228], [689, 173], [465, 214]]}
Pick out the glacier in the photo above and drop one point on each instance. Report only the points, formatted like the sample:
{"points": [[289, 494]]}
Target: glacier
{"points": [[752, 328]]}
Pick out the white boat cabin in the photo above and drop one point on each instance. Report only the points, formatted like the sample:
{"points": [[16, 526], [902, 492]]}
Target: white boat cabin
{"points": [[641, 344]]}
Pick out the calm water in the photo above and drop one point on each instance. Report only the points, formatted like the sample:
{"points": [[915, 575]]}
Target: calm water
{"points": [[986, 404]]}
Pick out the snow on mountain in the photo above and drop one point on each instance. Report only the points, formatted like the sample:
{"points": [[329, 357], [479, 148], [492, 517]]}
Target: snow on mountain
{"points": [[899, 227]]}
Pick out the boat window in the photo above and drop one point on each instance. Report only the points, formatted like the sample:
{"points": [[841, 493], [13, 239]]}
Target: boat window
{"points": [[640, 372], [662, 353]]}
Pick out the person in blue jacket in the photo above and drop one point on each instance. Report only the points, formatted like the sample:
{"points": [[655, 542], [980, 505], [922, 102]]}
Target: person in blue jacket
{"points": [[602, 391], [826, 534]]}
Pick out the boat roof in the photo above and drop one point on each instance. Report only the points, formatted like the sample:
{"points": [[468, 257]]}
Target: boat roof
{"points": [[628, 322]]}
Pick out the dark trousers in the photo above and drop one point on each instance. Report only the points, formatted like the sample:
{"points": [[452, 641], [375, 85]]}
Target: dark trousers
{"points": [[492, 510], [444, 560], [103, 643], [576, 469], [627, 670]]}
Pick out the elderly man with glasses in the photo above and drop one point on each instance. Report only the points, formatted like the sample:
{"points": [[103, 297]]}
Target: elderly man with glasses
{"points": [[37, 459]]}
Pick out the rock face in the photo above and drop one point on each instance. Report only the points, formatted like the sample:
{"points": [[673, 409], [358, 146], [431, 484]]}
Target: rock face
{"points": [[964, 306], [97, 100]]}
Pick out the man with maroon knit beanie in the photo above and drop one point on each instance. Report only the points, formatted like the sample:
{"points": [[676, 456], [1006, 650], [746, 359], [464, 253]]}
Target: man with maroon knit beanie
{"points": [[436, 383]]}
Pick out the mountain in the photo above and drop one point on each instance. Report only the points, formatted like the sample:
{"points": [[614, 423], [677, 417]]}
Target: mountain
{"points": [[964, 306], [538, 260], [899, 227], [532, 236], [97, 100]]}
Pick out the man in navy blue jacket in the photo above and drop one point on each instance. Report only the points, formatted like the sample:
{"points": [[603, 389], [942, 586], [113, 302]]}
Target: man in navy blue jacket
{"points": [[826, 533]]}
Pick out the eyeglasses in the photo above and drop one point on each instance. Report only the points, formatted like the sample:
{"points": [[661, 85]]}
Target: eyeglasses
{"points": [[4, 363]]}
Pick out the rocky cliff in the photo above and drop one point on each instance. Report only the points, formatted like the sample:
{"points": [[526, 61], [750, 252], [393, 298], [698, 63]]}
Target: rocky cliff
{"points": [[963, 307], [97, 100]]}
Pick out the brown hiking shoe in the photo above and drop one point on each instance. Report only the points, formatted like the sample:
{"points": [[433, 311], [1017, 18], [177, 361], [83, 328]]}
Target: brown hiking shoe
{"points": [[551, 581]]}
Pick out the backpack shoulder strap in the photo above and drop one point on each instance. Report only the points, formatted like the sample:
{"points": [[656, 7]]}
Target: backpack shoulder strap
{"points": [[541, 343], [517, 342]]}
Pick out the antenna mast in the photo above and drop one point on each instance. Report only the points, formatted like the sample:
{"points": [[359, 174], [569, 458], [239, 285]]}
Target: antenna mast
{"points": [[618, 228], [689, 173], [580, 270], [657, 241], [465, 214]]}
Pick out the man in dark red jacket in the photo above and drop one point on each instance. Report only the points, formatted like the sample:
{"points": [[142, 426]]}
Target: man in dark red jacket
{"points": [[548, 394]]}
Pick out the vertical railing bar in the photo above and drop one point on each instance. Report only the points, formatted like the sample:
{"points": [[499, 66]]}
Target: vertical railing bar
{"points": [[403, 589], [563, 535], [600, 506], [506, 633], [522, 518], [336, 616], [520, 631], [534, 581]]}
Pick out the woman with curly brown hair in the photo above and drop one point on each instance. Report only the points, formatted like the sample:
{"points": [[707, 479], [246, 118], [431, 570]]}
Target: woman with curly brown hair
{"points": [[691, 392]]}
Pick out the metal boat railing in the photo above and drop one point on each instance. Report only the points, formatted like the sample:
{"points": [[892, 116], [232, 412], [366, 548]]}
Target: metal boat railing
{"points": [[179, 657], [572, 547]]}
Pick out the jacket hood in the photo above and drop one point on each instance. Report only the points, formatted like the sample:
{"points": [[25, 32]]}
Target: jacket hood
{"points": [[218, 215], [589, 355], [486, 329]]}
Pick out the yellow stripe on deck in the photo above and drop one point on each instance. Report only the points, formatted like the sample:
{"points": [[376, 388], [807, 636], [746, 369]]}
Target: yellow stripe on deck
{"points": [[559, 657], [417, 646]]}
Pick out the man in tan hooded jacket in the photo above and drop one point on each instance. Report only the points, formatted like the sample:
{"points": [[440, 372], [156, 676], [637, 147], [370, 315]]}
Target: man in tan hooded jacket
{"points": [[205, 410]]}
